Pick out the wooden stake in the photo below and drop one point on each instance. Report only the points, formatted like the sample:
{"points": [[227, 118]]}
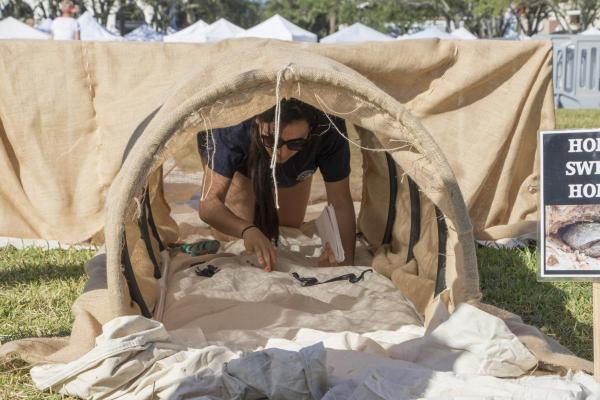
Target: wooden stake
{"points": [[596, 327]]}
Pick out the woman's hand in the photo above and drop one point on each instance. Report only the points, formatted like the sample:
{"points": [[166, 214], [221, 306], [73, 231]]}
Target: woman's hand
{"points": [[327, 258], [257, 243]]}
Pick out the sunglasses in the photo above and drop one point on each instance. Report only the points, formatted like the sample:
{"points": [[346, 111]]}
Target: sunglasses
{"points": [[295, 144]]}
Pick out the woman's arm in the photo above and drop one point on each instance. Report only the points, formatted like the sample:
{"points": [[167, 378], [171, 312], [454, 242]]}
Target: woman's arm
{"points": [[214, 212], [338, 195]]}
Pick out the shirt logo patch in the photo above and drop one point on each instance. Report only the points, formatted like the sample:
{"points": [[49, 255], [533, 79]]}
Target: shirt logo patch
{"points": [[305, 174]]}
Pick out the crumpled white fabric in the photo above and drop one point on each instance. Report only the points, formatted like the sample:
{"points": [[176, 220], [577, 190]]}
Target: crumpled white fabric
{"points": [[471, 341], [408, 381], [360, 341], [134, 358], [277, 375]]}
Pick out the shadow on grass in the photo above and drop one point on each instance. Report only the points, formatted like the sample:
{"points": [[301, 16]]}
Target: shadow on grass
{"points": [[562, 310], [32, 333], [38, 265], [23, 274]]}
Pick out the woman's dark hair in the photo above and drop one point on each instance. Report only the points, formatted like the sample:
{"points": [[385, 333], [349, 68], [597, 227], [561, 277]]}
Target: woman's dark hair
{"points": [[259, 170]]}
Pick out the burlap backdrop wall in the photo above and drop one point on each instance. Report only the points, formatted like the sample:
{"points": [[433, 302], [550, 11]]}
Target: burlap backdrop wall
{"points": [[67, 111]]}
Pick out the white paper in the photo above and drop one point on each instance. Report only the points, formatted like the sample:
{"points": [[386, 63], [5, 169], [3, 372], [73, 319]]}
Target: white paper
{"points": [[328, 230]]}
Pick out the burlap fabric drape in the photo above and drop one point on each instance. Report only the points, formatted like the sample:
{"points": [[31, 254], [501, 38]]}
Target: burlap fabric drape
{"points": [[67, 111]]}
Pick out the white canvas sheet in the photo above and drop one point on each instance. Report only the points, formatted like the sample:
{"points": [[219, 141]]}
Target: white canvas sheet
{"points": [[137, 358], [245, 332], [242, 307]]}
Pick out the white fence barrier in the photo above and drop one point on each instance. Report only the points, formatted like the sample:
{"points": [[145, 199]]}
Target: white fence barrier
{"points": [[576, 70]]}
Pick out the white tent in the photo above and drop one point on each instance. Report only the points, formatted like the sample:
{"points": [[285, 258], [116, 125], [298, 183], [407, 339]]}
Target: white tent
{"points": [[432, 32], [189, 34], [11, 28], [278, 27], [144, 34], [356, 33], [45, 26], [463, 33], [90, 29], [590, 31], [221, 29]]}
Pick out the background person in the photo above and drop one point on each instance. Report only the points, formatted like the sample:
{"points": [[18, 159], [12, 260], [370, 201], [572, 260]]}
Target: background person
{"points": [[66, 27], [238, 192]]}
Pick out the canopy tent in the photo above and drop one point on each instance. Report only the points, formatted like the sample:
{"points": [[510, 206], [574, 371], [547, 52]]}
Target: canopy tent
{"points": [[190, 34], [90, 29], [431, 32], [280, 28], [11, 28], [220, 30], [591, 31], [356, 33], [144, 34], [463, 33], [428, 183], [45, 25]]}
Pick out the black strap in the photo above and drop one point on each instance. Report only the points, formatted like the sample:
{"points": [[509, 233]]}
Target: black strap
{"points": [[143, 225], [415, 218], [440, 279], [134, 290], [391, 218], [312, 281], [153, 228]]}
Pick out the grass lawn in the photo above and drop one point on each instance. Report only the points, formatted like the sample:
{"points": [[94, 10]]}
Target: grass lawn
{"points": [[37, 288]]}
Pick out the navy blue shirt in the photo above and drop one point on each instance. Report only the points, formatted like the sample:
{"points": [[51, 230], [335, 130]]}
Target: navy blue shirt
{"points": [[332, 156]]}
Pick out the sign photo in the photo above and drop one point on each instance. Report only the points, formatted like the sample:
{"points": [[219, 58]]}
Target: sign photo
{"points": [[570, 204]]}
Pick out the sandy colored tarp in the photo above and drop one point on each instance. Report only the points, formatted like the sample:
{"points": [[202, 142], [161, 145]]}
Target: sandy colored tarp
{"points": [[63, 134], [208, 320], [251, 322]]}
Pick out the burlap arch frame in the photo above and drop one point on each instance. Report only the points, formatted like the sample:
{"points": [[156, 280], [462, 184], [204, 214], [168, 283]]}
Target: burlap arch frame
{"points": [[316, 80]]}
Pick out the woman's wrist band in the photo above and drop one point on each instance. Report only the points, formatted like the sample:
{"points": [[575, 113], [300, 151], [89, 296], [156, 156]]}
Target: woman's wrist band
{"points": [[246, 228]]}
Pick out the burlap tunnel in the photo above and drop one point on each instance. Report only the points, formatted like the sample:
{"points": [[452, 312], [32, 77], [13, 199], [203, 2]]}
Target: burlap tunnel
{"points": [[241, 93]]}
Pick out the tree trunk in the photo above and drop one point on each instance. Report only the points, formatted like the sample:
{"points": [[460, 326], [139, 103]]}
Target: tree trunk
{"points": [[332, 23], [562, 18]]}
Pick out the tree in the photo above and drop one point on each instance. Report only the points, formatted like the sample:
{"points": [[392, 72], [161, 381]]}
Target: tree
{"points": [[453, 11], [323, 17], [532, 12], [589, 12], [129, 17], [244, 13], [319, 17], [51, 8], [160, 14], [392, 16], [17, 9], [489, 18], [101, 9]]}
